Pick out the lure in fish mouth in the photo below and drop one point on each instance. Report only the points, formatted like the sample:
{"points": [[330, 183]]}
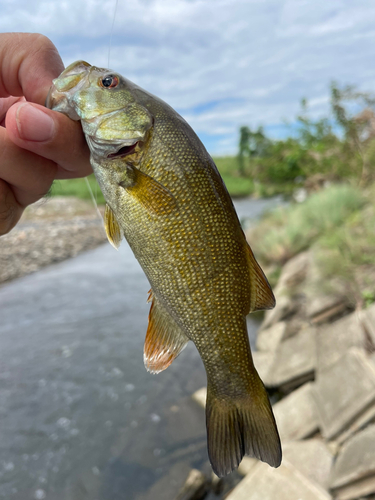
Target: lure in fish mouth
{"points": [[165, 195]]}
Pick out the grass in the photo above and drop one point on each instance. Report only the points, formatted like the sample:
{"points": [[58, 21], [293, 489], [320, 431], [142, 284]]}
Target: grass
{"points": [[78, 188], [237, 186], [337, 224], [287, 231]]}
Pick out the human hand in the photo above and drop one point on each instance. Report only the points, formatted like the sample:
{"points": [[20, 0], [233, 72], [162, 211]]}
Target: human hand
{"points": [[37, 145]]}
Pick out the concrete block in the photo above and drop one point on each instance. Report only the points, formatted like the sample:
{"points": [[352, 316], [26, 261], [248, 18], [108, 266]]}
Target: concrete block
{"points": [[353, 474], [344, 391], [296, 414], [312, 458], [295, 360], [285, 483], [368, 321], [263, 361], [199, 396], [333, 340], [321, 304], [269, 339]]}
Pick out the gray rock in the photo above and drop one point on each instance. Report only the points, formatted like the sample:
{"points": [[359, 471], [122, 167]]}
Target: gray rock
{"points": [[321, 304], [296, 414], [353, 474], [285, 306], [295, 270], [285, 483], [311, 457], [195, 487], [293, 273], [295, 361], [333, 340], [344, 391], [269, 339], [263, 361], [368, 321]]}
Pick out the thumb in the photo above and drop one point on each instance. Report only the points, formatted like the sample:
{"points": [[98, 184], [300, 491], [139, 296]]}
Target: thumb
{"points": [[51, 135]]}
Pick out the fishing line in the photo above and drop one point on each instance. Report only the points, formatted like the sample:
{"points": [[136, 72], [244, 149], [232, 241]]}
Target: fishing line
{"points": [[110, 38], [94, 200]]}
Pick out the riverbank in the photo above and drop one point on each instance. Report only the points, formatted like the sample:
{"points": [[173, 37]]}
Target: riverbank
{"points": [[50, 231]]}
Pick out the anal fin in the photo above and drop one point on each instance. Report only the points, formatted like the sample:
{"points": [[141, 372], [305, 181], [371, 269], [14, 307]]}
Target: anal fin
{"points": [[164, 338], [112, 228], [262, 296]]}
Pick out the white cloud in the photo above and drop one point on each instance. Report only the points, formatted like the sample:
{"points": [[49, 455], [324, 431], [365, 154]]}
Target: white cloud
{"points": [[253, 59]]}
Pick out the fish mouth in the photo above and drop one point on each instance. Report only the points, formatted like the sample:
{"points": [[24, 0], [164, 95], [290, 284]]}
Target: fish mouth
{"points": [[124, 151]]}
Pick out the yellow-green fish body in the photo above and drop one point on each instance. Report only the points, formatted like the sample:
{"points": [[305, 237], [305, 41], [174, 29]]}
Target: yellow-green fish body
{"points": [[165, 195]]}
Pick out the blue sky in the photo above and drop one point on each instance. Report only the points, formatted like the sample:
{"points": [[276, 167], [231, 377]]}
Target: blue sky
{"points": [[220, 63]]}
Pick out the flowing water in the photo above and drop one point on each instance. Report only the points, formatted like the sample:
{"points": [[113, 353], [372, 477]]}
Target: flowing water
{"points": [[81, 419]]}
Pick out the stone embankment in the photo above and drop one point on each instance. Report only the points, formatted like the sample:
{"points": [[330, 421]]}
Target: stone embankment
{"points": [[49, 231], [317, 356]]}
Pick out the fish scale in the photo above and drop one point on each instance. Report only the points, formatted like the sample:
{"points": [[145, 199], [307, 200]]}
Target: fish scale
{"points": [[165, 195]]}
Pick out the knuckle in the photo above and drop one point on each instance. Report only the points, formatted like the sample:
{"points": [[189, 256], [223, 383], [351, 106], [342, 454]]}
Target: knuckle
{"points": [[10, 211]]}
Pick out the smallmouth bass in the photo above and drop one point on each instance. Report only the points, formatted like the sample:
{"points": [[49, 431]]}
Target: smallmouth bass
{"points": [[165, 195]]}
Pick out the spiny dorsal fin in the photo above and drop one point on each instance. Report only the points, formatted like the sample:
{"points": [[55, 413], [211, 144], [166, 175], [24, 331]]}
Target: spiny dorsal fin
{"points": [[261, 292], [164, 339], [112, 228], [149, 192]]}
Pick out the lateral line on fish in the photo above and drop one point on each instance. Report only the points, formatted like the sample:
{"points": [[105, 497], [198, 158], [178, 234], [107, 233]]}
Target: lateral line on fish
{"points": [[110, 38]]}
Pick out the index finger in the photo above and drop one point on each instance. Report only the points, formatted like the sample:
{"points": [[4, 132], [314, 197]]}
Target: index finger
{"points": [[28, 64]]}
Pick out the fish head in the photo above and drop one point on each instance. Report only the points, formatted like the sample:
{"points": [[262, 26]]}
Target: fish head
{"points": [[114, 123]]}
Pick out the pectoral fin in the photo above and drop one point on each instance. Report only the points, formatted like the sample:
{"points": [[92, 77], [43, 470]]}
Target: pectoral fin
{"points": [[149, 192], [112, 228], [261, 293], [164, 338]]}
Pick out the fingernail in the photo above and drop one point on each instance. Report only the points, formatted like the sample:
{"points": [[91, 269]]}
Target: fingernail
{"points": [[33, 124]]}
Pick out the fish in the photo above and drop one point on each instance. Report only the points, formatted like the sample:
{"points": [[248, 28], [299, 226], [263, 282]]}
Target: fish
{"points": [[165, 195]]}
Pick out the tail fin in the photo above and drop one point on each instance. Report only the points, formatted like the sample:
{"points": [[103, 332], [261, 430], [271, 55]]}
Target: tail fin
{"points": [[235, 428]]}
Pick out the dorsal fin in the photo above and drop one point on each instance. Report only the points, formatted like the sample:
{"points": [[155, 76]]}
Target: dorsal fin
{"points": [[164, 338], [262, 296], [112, 228]]}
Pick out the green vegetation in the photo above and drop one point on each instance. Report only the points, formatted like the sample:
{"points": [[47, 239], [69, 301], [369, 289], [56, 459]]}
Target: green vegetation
{"points": [[78, 188], [337, 224], [290, 230], [335, 148]]}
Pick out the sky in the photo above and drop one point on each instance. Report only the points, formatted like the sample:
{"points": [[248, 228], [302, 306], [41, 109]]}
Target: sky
{"points": [[220, 63]]}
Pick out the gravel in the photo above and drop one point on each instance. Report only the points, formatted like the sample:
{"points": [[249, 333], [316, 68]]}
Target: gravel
{"points": [[49, 231]]}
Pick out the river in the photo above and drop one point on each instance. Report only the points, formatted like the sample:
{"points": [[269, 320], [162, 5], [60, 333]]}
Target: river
{"points": [[81, 419]]}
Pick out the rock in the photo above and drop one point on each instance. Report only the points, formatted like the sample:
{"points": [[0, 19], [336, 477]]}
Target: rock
{"points": [[199, 396], [322, 305], [293, 273], [312, 458], [285, 306], [295, 270], [263, 361], [353, 474], [49, 232], [335, 339], [344, 391], [330, 313], [246, 465], [285, 483], [195, 487], [269, 339], [368, 322], [294, 362], [296, 415]]}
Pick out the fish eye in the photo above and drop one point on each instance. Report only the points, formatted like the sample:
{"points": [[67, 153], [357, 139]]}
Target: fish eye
{"points": [[109, 81]]}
